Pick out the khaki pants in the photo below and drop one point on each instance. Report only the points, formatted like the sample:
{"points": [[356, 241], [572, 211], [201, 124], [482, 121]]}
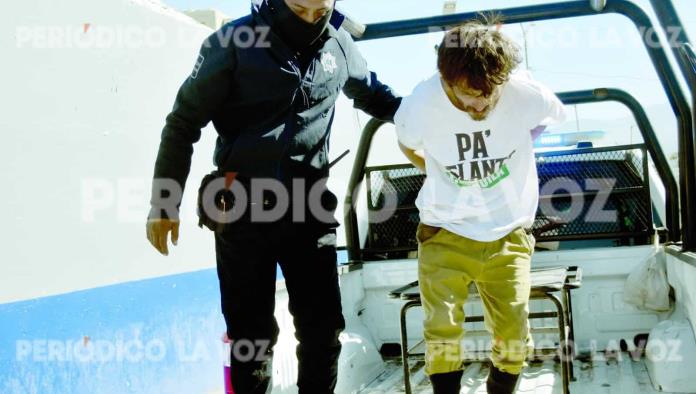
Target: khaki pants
{"points": [[447, 264]]}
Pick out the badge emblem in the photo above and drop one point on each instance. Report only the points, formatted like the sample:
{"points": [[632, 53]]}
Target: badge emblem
{"points": [[328, 61]]}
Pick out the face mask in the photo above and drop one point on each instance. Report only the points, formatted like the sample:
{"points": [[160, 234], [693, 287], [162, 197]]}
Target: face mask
{"points": [[291, 28]]}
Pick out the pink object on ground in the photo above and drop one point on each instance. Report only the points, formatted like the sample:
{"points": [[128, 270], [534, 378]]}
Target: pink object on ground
{"points": [[226, 370], [228, 381]]}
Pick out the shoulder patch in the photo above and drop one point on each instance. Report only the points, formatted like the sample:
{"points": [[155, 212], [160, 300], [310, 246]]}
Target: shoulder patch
{"points": [[197, 67]]}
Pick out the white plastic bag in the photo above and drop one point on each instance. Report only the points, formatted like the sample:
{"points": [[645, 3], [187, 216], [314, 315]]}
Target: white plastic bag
{"points": [[647, 286]]}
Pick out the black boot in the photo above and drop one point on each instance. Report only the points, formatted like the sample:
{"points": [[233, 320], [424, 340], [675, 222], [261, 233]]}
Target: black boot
{"points": [[500, 382], [252, 377], [447, 383]]}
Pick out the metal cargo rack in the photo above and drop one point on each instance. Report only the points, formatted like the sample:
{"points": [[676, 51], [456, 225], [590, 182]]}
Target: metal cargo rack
{"points": [[592, 193]]}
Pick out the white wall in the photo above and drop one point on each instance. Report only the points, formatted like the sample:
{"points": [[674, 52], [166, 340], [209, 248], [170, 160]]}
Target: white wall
{"points": [[71, 116]]}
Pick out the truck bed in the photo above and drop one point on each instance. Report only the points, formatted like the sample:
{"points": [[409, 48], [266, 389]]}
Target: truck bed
{"points": [[618, 375]]}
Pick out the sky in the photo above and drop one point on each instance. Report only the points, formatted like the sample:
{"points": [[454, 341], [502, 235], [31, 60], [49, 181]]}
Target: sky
{"points": [[569, 54]]}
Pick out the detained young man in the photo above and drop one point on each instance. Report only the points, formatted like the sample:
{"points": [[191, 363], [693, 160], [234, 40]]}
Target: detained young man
{"points": [[471, 128]]}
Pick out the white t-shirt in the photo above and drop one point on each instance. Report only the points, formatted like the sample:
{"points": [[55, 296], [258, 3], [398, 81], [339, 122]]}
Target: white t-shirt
{"points": [[481, 180]]}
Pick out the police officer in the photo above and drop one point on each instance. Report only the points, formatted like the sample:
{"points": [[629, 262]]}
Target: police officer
{"points": [[271, 98]]}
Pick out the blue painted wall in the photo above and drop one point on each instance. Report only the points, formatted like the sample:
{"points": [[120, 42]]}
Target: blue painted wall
{"points": [[152, 336]]}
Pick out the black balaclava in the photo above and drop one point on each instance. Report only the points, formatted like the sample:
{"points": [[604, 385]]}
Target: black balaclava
{"points": [[292, 29]]}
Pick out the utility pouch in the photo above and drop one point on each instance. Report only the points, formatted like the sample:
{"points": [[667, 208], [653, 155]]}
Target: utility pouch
{"points": [[213, 213]]}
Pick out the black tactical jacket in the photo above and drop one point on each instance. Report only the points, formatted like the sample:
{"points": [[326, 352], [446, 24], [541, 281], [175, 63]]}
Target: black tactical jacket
{"points": [[269, 104]]}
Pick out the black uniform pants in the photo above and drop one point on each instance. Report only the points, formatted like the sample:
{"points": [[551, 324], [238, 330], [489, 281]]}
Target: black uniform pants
{"points": [[247, 256]]}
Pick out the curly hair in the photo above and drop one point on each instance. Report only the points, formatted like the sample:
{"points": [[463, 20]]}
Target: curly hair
{"points": [[478, 54]]}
